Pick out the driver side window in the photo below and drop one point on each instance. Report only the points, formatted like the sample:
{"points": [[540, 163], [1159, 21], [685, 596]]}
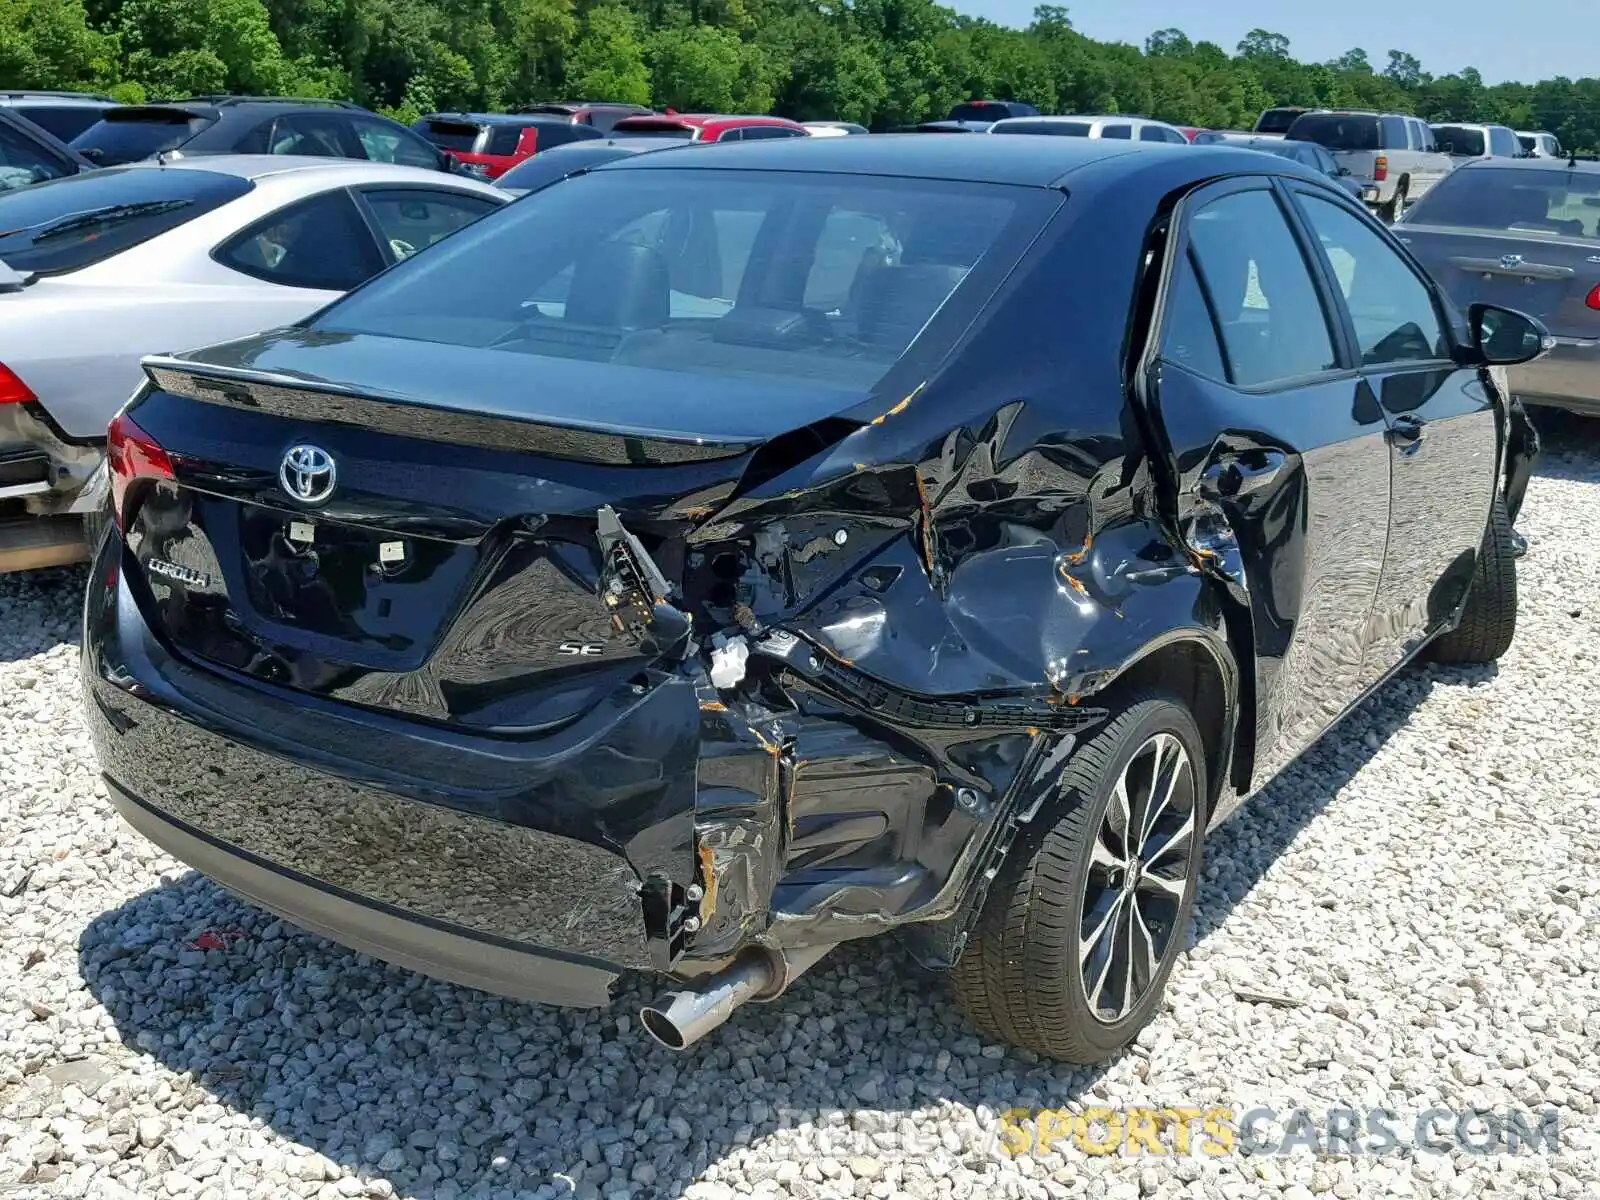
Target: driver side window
{"points": [[1393, 310]]}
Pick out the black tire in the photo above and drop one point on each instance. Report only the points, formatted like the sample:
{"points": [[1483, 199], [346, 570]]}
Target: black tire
{"points": [[1489, 621], [1021, 977], [1396, 207]]}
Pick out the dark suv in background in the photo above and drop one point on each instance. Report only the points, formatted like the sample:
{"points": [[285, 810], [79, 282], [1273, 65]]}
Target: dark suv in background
{"points": [[490, 144], [63, 115], [254, 125], [601, 114]]}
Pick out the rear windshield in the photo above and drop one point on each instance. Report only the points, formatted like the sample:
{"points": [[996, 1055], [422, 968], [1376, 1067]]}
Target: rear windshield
{"points": [[65, 121], [1556, 201], [1277, 120], [127, 135], [1453, 139], [1055, 128], [1337, 132], [533, 173], [67, 224], [629, 128], [828, 278], [449, 135]]}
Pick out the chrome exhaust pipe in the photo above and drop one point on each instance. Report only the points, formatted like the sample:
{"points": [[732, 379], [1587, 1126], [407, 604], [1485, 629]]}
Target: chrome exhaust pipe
{"points": [[681, 1018]]}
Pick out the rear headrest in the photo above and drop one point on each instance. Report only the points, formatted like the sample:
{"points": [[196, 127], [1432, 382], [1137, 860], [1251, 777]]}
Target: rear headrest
{"points": [[893, 303], [620, 285]]}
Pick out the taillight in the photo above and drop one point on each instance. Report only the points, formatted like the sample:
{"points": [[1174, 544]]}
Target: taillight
{"points": [[12, 389], [1593, 299], [131, 455], [1380, 169]]}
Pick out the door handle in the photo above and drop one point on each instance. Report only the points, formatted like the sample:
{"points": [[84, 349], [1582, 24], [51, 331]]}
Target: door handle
{"points": [[1407, 432], [1234, 476]]}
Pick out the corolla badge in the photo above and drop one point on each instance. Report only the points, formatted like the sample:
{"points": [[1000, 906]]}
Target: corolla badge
{"points": [[308, 474], [1510, 260]]}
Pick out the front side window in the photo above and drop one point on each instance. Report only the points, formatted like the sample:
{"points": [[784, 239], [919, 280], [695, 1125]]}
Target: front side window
{"points": [[413, 219], [307, 133], [1273, 325], [68, 224], [1152, 133], [382, 142], [1392, 309], [711, 272], [319, 243]]}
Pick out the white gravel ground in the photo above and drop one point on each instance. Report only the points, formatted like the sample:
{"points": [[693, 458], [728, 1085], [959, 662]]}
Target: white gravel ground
{"points": [[1409, 919]]}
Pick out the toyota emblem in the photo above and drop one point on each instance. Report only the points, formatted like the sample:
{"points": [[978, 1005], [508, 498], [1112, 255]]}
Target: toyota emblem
{"points": [[308, 474]]}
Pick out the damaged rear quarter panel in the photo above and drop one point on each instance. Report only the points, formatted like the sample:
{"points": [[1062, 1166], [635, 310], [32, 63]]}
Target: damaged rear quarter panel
{"points": [[980, 551]]}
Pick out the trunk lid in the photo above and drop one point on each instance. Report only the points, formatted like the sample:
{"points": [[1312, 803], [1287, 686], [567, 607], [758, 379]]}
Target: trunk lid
{"points": [[479, 561], [1550, 278]]}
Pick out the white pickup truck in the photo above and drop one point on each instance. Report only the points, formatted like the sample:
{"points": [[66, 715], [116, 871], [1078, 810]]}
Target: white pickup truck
{"points": [[1392, 156]]}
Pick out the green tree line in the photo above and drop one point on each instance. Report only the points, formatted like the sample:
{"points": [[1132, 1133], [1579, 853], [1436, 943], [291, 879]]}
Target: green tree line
{"points": [[880, 62]]}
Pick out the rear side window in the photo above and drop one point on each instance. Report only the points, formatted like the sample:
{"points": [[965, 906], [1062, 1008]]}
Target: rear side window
{"points": [[65, 121], [1395, 136], [708, 272], [504, 139], [1272, 322], [450, 135], [128, 134], [1121, 132], [412, 219], [68, 224], [1338, 131], [318, 243], [1542, 201]]}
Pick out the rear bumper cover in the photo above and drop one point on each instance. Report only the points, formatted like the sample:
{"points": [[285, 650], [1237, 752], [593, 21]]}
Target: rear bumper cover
{"points": [[523, 867], [1566, 377]]}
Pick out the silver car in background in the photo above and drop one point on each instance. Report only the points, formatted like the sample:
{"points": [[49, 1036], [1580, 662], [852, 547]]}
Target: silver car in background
{"points": [[99, 269], [1523, 231], [1134, 129]]}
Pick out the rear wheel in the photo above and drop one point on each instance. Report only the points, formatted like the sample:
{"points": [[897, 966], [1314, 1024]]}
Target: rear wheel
{"points": [[1489, 621], [1085, 921], [1396, 207]]}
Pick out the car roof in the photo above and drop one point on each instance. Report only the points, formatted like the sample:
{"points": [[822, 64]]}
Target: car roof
{"points": [[1581, 165], [519, 119], [262, 166], [1024, 161]]}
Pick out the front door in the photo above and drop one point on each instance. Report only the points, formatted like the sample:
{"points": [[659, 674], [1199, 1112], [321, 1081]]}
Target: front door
{"points": [[1276, 451], [1443, 430]]}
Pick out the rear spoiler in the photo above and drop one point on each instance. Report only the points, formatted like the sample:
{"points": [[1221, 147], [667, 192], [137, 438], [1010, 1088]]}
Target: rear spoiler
{"points": [[294, 398]]}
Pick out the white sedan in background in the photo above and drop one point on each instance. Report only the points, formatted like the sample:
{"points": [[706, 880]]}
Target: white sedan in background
{"points": [[99, 269]]}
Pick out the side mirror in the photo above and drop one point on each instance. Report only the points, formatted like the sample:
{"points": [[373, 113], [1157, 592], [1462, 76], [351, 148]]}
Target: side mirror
{"points": [[1503, 337], [449, 163]]}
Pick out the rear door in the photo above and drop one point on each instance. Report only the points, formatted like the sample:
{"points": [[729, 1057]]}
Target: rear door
{"points": [[1276, 454], [1443, 428]]}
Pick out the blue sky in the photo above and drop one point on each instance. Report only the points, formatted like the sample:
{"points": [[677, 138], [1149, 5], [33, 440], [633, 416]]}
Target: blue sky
{"points": [[1553, 37]]}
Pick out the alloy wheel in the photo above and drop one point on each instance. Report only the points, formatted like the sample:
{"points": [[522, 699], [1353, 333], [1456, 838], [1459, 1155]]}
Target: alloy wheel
{"points": [[1138, 877]]}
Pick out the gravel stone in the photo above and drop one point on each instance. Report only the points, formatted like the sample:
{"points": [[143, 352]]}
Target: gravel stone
{"points": [[1408, 918]]}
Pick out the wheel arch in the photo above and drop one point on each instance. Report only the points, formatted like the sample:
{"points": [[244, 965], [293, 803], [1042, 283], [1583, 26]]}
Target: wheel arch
{"points": [[1200, 668]]}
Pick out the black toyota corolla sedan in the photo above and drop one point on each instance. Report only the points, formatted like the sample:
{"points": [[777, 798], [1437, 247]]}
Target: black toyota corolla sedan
{"points": [[919, 535]]}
